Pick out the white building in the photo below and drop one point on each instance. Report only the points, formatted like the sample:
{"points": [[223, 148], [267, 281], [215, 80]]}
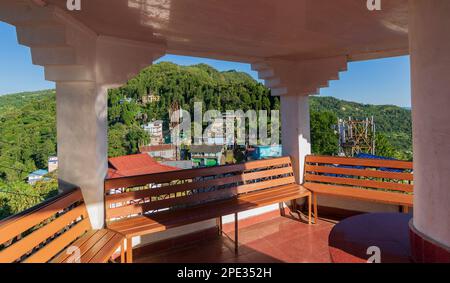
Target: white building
{"points": [[155, 131], [36, 176], [52, 163]]}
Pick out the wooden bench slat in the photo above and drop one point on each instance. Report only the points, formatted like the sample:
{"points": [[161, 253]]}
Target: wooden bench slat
{"points": [[174, 222], [360, 183], [380, 163], [16, 250], [63, 255], [108, 249], [142, 225], [361, 194], [379, 180], [270, 199], [260, 195], [130, 222], [173, 189], [265, 184], [277, 192], [85, 243], [163, 214], [131, 209], [359, 172], [17, 224], [44, 232], [48, 251], [97, 246], [192, 173], [250, 176]]}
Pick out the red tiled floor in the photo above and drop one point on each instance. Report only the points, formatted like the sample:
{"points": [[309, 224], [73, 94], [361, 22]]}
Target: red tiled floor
{"points": [[281, 239]]}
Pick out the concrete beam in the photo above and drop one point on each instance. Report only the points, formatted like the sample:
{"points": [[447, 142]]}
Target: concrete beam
{"points": [[303, 77]]}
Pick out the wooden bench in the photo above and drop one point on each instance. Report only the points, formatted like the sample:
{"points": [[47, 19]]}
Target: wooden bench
{"points": [[56, 231], [147, 204], [377, 180]]}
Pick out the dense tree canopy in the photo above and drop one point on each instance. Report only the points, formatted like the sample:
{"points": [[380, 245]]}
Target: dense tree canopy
{"points": [[324, 139], [184, 86], [27, 133], [385, 148], [16, 196]]}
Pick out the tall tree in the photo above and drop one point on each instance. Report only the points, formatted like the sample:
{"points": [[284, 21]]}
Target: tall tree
{"points": [[384, 147], [324, 139]]}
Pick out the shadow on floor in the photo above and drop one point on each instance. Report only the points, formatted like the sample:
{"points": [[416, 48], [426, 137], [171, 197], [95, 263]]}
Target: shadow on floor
{"points": [[278, 240]]}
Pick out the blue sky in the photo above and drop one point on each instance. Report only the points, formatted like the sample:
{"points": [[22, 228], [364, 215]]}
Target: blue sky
{"points": [[385, 81], [17, 74]]}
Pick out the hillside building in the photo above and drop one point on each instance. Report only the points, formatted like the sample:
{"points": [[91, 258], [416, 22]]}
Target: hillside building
{"points": [[162, 151], [52, 163], [206, 155], [36, 176], [155, 131]]}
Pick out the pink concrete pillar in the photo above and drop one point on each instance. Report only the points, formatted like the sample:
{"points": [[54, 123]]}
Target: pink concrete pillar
{"points": [[430, 73], [295, 131]]}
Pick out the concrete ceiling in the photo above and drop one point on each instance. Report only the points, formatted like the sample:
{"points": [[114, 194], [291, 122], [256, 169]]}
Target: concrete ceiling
{"points": [[248, 29]]}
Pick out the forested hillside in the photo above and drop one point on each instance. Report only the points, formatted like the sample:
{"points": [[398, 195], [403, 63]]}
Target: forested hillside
{"points": [[27, 139], [27, 133], [184, 85], [28, 121]]}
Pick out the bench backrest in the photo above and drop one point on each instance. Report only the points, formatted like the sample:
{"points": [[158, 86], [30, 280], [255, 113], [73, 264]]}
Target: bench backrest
{"points": [[391, 175], [41, 232], [131, 196]]}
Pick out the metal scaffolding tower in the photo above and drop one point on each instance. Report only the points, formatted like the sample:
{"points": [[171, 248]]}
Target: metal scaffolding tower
{"points": [[356, 136]]}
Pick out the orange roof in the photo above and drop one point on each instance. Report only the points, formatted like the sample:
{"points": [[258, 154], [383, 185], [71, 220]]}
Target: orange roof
{"points": [[133, 165]]}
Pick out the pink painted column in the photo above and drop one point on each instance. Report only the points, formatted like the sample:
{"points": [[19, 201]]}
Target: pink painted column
{"points": [[295, 131], [430, 73]]}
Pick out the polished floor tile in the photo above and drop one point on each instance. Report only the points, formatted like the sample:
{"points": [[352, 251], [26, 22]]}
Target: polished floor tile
{"points": [[281, 239]]}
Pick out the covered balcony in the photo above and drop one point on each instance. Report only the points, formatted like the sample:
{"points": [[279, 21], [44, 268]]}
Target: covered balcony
{"points": [[297, 47]]}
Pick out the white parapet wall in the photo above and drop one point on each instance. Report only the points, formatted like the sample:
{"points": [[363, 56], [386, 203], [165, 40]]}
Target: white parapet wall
{"points": [[355, 205], [173, 233], [251, 213]]}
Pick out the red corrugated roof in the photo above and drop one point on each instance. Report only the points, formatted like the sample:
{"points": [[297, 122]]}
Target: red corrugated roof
{"points": [[136, 164]]}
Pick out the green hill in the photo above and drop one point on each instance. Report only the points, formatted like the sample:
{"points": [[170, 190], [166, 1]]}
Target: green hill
{"points": [[27, 139], [18, 100], [27, 132]]}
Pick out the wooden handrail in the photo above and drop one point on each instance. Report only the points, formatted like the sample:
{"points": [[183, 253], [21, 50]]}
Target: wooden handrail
{"points": [[380, 163]]}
